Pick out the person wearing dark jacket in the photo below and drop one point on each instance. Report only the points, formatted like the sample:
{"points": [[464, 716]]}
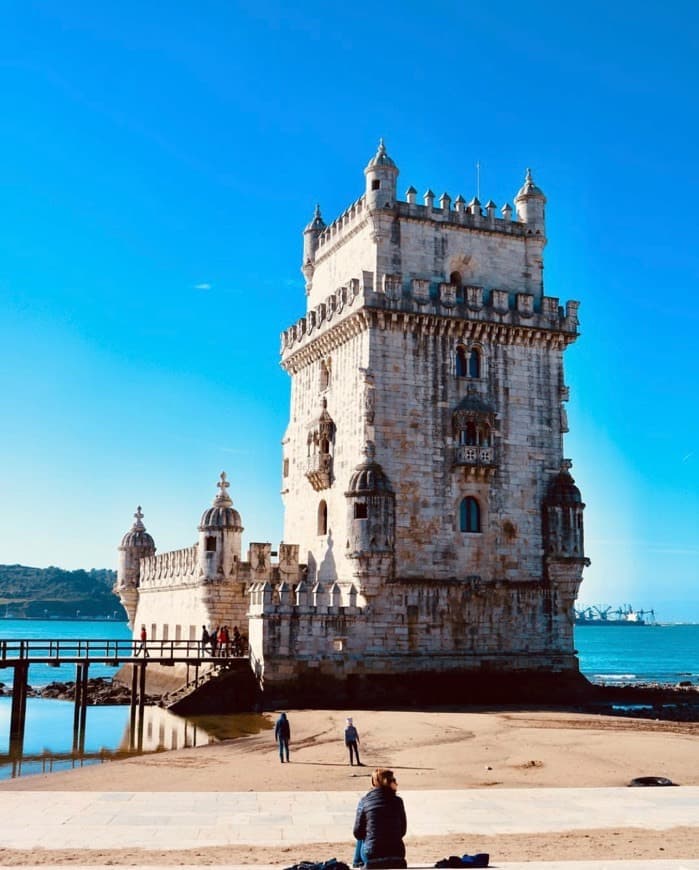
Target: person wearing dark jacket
{"points": [[380, 824], [282, 734]]}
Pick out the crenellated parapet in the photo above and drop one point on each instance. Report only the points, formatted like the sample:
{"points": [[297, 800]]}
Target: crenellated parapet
{"points": [[460, 309], [178, 567], [303, 598]]}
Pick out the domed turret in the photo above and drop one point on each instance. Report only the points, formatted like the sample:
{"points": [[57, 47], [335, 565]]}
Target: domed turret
{"points": [[138, 537], [530, 202], [135, 545], [222, 514], [563, 517], [310, 245], [371, 522], [381, 176], [220, 530], [563, 492]]}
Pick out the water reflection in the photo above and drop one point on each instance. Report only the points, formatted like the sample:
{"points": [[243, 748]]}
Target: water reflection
{"points": [[109, 734]]}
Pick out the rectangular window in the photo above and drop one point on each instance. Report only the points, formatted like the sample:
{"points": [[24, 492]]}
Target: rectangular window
{"points": [[286, 468], [360, 510], [211, 545]]}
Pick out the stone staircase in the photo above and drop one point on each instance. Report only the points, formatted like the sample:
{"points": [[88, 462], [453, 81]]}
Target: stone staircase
{"points": [[224, 687]]}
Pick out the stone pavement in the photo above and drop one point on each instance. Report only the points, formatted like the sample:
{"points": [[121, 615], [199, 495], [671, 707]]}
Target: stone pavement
{"points": [[180, 820]]}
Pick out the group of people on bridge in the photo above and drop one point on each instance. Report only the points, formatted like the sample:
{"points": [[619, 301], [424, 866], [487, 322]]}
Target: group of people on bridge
{"points": [[222, 642]]}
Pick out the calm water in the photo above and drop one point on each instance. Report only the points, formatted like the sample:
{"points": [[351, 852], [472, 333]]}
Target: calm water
{"points": [[646, 654], [49, 724], [658, 654]]}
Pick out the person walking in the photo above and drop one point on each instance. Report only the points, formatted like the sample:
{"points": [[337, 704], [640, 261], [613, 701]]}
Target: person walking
{"points": [[143, 647], [380, 824], [282, 734], [204, 639], [213, 640], [352, 742]]}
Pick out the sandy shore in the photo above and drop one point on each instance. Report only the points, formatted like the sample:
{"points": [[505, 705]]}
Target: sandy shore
{"points": [[428, 750]]}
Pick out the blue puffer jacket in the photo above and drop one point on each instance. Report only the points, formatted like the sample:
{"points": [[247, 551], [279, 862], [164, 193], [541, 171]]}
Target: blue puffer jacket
{"points": [[381, 823]]}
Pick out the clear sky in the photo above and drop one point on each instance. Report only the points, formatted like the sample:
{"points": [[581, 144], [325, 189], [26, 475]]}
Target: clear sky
{"points": [[158, 162]]}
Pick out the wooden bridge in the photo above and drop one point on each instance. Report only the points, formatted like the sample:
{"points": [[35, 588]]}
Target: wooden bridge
{"points": [[21, 653]]}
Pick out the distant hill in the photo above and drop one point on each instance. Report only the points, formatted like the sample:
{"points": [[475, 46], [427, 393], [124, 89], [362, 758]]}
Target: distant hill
{"points": [[53, 592]]}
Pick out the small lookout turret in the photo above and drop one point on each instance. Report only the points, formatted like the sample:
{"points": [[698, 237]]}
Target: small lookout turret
{"points": [[530, 203], [310, 245], [381, 176], [371, 520], [220, 530], [135, 544]]}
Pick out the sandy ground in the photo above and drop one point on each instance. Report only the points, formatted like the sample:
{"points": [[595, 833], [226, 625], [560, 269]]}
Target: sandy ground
{"points": [[427, 749]]}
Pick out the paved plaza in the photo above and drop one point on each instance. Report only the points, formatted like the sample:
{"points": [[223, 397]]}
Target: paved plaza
{"points": [[179, 820]]}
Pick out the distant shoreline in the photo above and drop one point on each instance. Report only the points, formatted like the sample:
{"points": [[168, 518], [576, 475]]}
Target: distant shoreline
{"points": [[65, 619]]}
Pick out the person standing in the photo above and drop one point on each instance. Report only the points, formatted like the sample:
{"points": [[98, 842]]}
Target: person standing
{"points": [[282, 734], [352, 742], [380, 824], [213, 640], [204, 639]]}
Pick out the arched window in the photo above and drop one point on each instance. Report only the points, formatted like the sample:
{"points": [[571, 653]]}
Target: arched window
{"points": [[469, 515], [322, 518], [461, 362], [455, 279], [474, 363]]}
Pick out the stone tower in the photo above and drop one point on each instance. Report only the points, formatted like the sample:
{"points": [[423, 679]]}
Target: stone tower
{"points": [[423, 471]]}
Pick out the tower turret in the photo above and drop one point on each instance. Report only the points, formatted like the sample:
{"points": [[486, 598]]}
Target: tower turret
{"points": [[310, 245], [135, 544], [220, 530], [371, 523], [381, 176], [530, 203]]}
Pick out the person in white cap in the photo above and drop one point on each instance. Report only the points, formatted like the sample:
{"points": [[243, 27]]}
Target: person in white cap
{"points": [[352, 742]]}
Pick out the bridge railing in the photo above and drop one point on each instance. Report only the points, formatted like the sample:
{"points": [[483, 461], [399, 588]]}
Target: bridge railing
{"points": [[109, 649]]}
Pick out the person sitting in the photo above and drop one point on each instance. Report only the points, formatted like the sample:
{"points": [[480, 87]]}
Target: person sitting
{"points": [[380, 824]]}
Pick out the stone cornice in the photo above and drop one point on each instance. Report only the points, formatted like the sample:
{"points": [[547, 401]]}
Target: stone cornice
{"points": [[328, 338]]}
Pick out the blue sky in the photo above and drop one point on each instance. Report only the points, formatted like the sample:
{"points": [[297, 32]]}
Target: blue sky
{"points": [[158, 162]]}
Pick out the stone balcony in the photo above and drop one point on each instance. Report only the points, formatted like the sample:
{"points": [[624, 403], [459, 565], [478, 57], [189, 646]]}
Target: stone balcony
{"points": [[478, 462], [319, 470]]}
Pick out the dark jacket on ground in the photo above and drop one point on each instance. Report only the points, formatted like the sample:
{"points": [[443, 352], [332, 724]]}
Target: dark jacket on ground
{"points": [[381, 823], [282, 730]]}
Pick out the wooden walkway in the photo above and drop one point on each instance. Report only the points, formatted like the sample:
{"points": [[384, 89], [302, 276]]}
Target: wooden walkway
{"points": [[20, 653]]}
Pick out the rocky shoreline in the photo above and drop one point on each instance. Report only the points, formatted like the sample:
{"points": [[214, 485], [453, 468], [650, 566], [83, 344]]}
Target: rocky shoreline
{"points": [[101, 692]]}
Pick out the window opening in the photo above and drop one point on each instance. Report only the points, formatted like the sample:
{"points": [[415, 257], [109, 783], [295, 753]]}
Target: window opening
{"points": [[469, 515], [360, 510], [461, 363], [322, 518], [210, 544], [474, 364]]}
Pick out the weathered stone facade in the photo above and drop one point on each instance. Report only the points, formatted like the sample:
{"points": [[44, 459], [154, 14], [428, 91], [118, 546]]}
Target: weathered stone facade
{"points": [[438, 529], [429, 345]]}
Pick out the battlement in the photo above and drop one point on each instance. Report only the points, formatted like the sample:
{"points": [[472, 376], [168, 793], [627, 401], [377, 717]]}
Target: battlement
{"points": [[437, 298], [177, 566], [303, 598], [350, 217], [470, 216]]}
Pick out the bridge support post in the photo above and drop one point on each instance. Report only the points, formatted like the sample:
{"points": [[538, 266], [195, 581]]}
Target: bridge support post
{"points": [[141, 704], [80, 706], [19, 708]]}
